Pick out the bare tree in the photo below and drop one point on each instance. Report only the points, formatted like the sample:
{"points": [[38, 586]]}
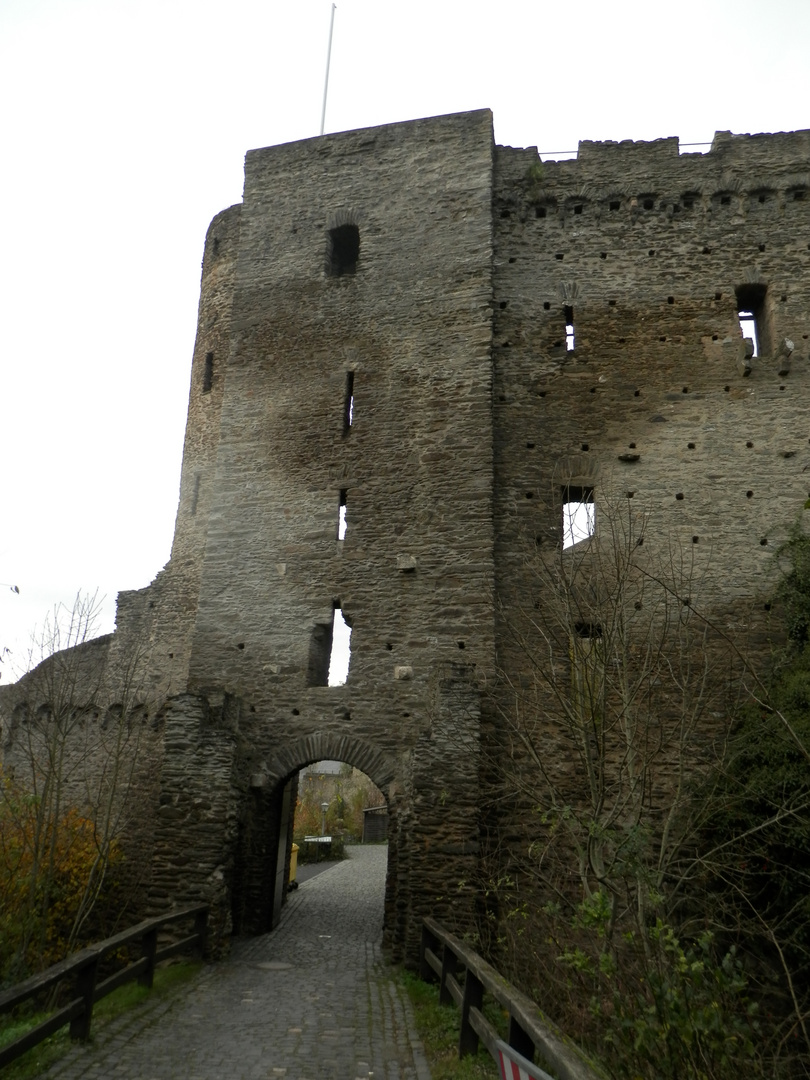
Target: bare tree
{"points": [[617, 714], [71, 755]]}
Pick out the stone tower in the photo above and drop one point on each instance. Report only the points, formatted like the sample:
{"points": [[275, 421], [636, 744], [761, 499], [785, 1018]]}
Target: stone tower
{"points": [[439, 338]]}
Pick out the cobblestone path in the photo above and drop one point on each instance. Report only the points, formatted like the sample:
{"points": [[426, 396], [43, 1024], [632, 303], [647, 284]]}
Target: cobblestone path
{"points": [[310, 1001]]}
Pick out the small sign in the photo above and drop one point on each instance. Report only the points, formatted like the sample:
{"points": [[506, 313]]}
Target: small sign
{"points": [[515, 1067]]}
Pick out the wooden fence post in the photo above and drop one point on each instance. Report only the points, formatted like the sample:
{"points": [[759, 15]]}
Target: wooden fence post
{"points": [[426, 972], [201, 929], [450, 966], [473, 998], [85, 989], [148, 950], [520, 1040]]}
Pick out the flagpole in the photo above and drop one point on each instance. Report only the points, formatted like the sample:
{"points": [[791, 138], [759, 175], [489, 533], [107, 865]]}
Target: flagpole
{"points": [[328, 58]]}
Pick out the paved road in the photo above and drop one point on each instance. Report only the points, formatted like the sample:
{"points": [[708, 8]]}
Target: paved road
{"points": [[310, 1001]]}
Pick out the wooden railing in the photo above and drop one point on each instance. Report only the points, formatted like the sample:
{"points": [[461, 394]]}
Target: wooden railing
{"points": [[83, 968], [464, 978]]}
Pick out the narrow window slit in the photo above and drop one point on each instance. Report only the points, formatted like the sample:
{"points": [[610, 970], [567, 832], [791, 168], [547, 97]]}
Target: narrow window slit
{"points": [[208, 373], [196, 495], [342, 516], [569, 328], [348, 403]]}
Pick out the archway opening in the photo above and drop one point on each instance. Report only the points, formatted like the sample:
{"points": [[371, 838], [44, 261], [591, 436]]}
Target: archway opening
{"points": [[337, 806], [327, 815]]}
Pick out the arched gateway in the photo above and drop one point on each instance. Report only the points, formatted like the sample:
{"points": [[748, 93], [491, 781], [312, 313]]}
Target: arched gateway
{"points": [[227, 788]]}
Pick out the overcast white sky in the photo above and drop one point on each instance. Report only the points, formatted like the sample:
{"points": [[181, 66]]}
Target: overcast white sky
{"points": [[124, 126]]}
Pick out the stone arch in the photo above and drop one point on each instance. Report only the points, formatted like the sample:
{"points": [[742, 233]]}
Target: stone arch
{"points": [[323, 745]]}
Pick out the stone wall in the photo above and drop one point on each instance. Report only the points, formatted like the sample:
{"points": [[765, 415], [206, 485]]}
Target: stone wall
{"points": [[383, 326]]}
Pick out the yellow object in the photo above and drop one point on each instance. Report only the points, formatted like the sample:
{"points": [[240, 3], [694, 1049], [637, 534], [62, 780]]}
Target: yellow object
{"points": [[294, 861]]}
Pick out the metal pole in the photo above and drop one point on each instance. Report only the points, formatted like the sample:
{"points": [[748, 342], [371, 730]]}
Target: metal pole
{"points": [[328, 58]]}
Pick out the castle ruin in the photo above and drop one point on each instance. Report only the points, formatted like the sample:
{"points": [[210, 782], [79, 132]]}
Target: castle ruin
{"points": [[446, 342]]}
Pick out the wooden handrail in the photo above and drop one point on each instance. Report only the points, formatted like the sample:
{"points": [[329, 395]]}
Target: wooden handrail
{"points": [[83, 966], [444, 958]]}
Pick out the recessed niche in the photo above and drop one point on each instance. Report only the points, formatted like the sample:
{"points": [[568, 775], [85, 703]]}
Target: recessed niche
{"points": [[546, 306], [690, 446], [749, 444], [344, 250], [749, 494], [763, 541], [679, 496], [695, 539]]}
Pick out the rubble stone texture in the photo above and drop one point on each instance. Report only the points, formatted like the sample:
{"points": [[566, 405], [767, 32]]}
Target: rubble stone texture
{"points": [[383, 326]]}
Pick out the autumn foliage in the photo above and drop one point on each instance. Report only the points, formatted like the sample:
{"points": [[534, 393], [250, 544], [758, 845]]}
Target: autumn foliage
{"points": [[57, 882]]}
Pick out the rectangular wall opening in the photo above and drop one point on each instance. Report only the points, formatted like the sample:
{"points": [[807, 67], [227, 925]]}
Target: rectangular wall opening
{"points": [[569, 329], [341, 534], [320, 652], [208, 373], [348, 403], [752, 315], [341, 649], [578, 514]]}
